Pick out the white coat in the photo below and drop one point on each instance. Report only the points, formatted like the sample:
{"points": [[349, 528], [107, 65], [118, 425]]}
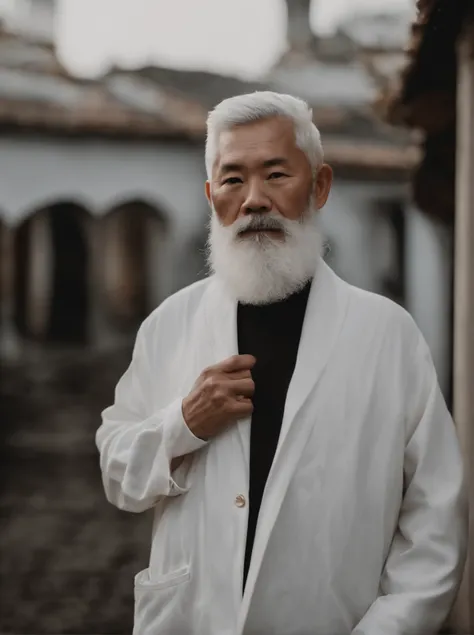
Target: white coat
{"points": [[363, 522]]}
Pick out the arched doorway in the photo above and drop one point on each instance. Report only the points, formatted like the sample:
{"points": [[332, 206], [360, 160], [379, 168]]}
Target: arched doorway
{"points": [[68, 313], [134, 232], [22, 283], [8, 335], [51, 265]]}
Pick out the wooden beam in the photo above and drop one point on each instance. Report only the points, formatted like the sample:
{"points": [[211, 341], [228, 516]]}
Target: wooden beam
{"points": [[433, 190], [464, 302], [431, 111]]}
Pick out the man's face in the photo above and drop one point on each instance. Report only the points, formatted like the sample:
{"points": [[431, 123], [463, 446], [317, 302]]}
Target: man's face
{"points": [[264, 241], [260, 171]]}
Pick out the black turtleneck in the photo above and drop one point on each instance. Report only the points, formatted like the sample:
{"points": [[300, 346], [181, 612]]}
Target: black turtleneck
{"points": [[270, 332]]}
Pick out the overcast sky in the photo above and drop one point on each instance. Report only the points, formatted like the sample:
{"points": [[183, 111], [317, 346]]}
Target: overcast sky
{"points": [[240, 37]]}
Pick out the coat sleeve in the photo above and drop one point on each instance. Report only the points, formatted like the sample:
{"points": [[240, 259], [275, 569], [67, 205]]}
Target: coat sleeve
{"points": [[136, 447], [425, 564]]}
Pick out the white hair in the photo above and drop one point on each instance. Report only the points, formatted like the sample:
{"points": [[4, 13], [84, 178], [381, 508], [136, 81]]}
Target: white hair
{"points": [[259, 106]]}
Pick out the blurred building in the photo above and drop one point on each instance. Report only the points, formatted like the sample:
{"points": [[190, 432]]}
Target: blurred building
{"points": [[435, 94], [101, 194], [101, 205]]}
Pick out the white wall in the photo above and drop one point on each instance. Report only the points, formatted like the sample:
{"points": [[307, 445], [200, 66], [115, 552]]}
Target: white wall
{"points": [[351, 220], [428, 286], [100, 174]]}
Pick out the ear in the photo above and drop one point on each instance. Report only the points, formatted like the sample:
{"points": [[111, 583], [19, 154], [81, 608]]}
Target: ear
{"points": [[207, 190], [322, 186]]}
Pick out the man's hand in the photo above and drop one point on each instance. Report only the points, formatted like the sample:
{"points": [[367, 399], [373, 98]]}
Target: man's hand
{"points": [[221, 395]]}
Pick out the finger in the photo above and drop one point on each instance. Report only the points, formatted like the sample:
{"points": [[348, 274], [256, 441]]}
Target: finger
{"points": [[236, 363], [241, 407], [238, 374], [242, 387]]}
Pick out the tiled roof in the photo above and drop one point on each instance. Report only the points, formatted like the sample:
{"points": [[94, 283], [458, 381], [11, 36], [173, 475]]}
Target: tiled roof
{"points": [[327, 83], [204, 87], [430, 68], [155, 102], [37, 93]]}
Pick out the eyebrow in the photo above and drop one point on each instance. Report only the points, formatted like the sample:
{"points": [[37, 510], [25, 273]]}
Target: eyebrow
{"points": [[238, 167]]}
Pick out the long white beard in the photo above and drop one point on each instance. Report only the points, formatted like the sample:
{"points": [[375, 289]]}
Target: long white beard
{"points": [[261, 269]]}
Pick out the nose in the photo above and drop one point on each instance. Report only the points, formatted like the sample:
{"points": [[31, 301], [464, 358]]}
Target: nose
{"points": [[256, 202]]}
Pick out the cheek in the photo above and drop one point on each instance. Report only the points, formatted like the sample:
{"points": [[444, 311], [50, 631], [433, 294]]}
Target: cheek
{"points": [[226, 206], [292, 202]]}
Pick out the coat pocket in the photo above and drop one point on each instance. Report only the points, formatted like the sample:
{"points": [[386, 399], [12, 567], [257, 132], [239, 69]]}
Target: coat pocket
{"points": [[162, 604], [144, 582]]}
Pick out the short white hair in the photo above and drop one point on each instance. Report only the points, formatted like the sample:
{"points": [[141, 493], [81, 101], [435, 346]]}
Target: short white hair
{"points": [[258, 106]]}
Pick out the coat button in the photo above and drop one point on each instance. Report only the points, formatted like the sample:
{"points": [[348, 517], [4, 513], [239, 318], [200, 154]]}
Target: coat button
{"points": [[240, 500]]}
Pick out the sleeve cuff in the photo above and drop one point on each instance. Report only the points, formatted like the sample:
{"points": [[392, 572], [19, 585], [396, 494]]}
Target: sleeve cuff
{"points": [[179, 438], [180, 441]]}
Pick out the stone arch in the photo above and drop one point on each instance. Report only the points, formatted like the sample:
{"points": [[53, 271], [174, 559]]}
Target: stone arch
{"points": [[134, 234], [7, 330], [51, 274]]}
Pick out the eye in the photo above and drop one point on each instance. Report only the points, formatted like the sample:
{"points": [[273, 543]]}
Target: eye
{"points": [[232, 180], [276, 175]]}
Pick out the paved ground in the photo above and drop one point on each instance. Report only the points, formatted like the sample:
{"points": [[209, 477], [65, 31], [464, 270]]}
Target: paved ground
{"points": [[67, 557]]}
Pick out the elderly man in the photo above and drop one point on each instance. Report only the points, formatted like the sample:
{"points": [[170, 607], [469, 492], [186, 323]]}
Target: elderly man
{"points": [[287, 429]]}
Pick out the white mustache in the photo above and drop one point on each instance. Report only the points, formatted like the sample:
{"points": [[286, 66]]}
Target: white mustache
{"points": [[258, 222]]}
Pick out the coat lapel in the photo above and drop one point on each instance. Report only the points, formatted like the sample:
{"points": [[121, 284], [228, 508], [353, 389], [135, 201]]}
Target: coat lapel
{"points": [[325, 315]]}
